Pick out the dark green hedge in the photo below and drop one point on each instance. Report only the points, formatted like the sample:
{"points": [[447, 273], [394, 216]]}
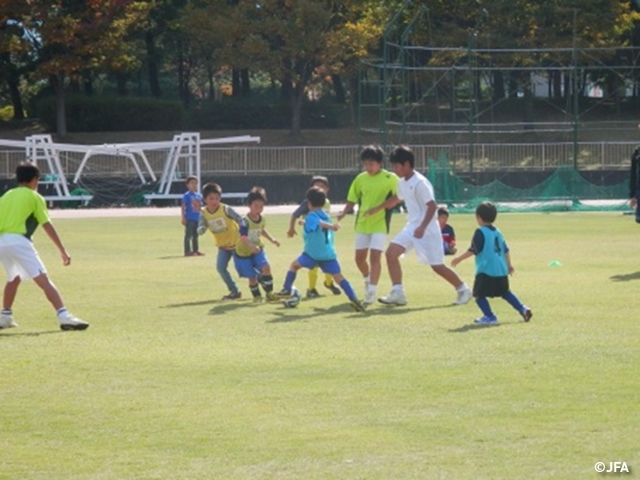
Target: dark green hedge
{"points": [[244, 115], [106, 113], [111, 114]]}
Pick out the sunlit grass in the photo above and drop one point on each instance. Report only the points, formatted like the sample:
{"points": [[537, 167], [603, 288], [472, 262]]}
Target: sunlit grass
{"points": [[171, 382]]}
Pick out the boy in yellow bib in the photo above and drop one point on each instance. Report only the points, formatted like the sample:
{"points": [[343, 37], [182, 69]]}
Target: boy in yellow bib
{"points": [[224, 223]]}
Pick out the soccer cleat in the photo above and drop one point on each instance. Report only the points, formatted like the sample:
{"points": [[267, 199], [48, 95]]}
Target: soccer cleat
{"points": [[335, 290], [232, 296], [198, 253], [463, 297], [312, 293], [484, 320], [394, 298], [369, 298], [284, 293], [6, 321], [273, 297], [357, 305], [526, 314], [69, 322]]}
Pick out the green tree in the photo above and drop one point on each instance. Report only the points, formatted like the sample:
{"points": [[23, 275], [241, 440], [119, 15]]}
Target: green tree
{"points": [[73, 36]]}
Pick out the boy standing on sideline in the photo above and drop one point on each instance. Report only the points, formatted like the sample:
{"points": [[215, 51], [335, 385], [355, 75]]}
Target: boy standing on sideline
{"points": [[250, 259], [223, 221], [369, 189], [421, 232], [323, 184], [319, 249], [191, 205], [448, 234], [493, 266], [22, 209]]}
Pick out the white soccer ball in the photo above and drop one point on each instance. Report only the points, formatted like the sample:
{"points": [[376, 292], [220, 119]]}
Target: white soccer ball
{"points": [[294, 300]]}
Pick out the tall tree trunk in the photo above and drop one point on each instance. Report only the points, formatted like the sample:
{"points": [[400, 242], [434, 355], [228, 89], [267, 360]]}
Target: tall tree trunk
{"points": [[16, 97], [297, 95], [211, 83], [57, 83], [498, 86], [152, 65], [338, 87], [236, 89], [246, 87]]}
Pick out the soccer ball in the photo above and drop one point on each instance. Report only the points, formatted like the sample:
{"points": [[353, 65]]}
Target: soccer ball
{"points": [[294, 300]]}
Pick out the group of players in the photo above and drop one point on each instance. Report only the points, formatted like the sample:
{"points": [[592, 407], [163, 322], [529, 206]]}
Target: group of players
{"points": [[376, 191]]}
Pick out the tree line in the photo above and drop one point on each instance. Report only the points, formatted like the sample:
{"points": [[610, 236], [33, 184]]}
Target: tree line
{"points": [[289, 51]]}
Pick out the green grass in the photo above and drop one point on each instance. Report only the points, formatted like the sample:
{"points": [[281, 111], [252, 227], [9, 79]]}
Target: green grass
{"points": [[169, 382]]}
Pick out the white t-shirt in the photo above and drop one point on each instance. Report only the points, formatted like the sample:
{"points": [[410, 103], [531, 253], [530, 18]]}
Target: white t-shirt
{"points": [[416, 192]]}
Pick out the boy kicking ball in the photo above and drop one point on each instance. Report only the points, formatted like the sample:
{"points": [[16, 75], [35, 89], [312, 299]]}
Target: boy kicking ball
{"points": [[22, 209], [319, 249]]}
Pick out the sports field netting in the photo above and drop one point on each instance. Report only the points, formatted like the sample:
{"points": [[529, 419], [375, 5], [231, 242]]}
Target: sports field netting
{"points": [[564, 190]]}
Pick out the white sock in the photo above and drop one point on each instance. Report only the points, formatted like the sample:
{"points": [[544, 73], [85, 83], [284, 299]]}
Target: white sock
{"points": [[397, 288], [61, 312], [372, 288], [462, 287]]}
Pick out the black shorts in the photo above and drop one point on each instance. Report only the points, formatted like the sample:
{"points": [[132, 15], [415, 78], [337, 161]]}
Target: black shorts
{"points": [[486, 286]]}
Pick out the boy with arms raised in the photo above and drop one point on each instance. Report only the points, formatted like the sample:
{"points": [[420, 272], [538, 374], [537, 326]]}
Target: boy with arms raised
{"points": [[319, 249], [22, 209], [250, 258], [323, 184], [493, 266], [369, 189], [422, 231], [224, 222]]}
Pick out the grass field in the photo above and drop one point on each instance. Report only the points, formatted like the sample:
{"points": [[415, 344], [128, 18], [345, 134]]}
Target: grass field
{"points": [[170, 382]]}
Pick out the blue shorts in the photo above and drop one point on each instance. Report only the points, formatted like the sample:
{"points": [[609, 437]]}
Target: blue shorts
{"points": [[332, 267], [247, 267]]}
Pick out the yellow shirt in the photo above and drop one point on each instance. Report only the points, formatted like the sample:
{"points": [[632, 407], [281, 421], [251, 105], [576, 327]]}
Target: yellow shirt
{"points": [[253, 231], [223, 223], [21, 211]]}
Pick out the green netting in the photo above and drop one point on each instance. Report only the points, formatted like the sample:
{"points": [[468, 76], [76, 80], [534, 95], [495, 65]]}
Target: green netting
{"points": [[564, 190]]}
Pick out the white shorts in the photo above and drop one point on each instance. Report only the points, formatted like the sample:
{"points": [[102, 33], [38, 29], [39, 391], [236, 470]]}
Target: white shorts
{"points": [[19, 257], [372, 241], [428, 248]]}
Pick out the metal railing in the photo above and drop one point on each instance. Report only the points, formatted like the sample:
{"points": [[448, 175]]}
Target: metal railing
{"points": [[252, 160]]}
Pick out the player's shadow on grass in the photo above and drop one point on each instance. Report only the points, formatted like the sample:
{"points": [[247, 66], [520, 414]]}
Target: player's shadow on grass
{"points": [[287, 315], [30, 334], [171, 257], [473, 326], [230, 305], [625, 277], [380, 309], [190, 304]]}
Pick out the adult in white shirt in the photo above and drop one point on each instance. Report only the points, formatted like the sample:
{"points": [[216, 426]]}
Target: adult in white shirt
{"points": [[421, 233]]}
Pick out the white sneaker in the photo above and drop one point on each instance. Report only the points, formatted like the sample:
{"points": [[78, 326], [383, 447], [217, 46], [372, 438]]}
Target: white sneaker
{"points": [[6, 321], [394, 298], [69, 322], [369, 298], [464, 296]]}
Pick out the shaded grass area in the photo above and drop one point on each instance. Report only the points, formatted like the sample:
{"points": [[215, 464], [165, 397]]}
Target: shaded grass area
{"points": [[171, 382]]}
